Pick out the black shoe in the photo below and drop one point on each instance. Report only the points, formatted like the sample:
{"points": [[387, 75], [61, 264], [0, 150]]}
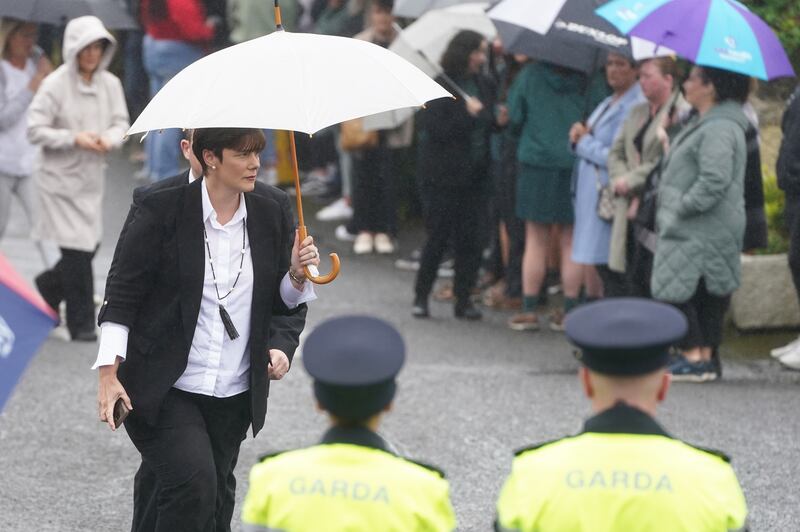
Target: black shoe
{"points": [[84, 336], [467, 311], [44, 283], [420, 308]]}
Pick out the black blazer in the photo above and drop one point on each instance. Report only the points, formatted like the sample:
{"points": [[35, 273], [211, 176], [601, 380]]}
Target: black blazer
{"points": [[156, 285]]}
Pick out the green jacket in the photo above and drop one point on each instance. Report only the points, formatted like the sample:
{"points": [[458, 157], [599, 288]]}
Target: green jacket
{"points": [[543, 103], [700, 218]]}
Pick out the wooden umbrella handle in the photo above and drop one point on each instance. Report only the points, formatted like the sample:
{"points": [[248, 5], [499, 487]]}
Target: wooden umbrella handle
{"points": [[314, 276], [311, 274]]}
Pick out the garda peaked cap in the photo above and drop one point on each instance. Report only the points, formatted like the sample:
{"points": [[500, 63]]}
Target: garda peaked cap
{"points": [[354, 361], [625, 336]]}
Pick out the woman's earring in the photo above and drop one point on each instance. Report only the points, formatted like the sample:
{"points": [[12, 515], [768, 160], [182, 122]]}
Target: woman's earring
{"points": [[213, 167]]}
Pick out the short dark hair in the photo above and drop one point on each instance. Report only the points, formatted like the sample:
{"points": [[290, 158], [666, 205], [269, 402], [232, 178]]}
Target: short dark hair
{"points": [[728, 85], [455, 59], [383, 5], [668, 66], [217, 139]]}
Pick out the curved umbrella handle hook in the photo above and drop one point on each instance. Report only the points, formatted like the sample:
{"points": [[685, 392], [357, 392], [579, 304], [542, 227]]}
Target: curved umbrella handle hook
{"points": [[313, 274]]}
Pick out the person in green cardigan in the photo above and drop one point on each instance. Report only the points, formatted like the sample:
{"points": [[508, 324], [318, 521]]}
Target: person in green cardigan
{"points": [[700, 218], [543, 103]]}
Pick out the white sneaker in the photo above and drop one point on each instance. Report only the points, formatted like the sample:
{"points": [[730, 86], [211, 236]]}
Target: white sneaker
{"points": [[383, 244], [343, 234], [778, 352], [363, 244], [791, 359], [338, 210]]}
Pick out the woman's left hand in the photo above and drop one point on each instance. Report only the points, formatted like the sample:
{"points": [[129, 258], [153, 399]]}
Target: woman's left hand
{"points": [[304, 253]]}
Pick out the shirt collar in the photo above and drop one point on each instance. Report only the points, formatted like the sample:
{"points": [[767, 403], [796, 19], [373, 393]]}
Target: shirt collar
{"points": [[625, 419], [192, 177], [361, 436], [210, 213]]}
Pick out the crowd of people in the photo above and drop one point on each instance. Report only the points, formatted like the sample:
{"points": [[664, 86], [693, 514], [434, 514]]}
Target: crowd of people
{"points": [[638, 179]]}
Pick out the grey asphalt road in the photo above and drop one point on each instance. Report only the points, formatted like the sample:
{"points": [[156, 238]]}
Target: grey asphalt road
{"points": [[469, 395]]}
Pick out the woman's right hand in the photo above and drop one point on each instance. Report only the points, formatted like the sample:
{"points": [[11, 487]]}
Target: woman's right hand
{"points": [[89, 141], [108, 391], [474, 106], [43, 68]]}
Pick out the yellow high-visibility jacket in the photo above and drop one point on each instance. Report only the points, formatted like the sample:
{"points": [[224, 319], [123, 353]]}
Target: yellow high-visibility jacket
{"points": [[350, 482], [623, 473]]}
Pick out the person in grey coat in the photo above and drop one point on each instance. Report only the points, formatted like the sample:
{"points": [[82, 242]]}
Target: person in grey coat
{"points": [[77, 117], [700, 218], [22, 69]]}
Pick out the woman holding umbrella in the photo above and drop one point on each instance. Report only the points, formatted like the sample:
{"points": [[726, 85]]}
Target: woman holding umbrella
{"points": [[453, 167], [701, 218]]}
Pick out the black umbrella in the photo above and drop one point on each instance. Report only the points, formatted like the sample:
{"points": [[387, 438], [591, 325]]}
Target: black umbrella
{"points": [[58, 12], [576, 37]]}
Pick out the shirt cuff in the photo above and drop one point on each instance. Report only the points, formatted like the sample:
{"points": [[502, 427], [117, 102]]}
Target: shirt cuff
{"points": [[292, 297], [113, 344]]}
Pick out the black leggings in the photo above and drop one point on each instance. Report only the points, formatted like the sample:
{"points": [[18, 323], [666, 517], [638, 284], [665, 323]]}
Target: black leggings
{"points": [[451, 217], [71, 280], [705, 313]]}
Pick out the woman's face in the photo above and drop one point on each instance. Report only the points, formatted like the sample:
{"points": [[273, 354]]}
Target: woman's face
{"points": [[620, 73], [89, 58], [236, 171], [381, 20], [655, 85], [697, 93], [20, 42], [477, 58]]}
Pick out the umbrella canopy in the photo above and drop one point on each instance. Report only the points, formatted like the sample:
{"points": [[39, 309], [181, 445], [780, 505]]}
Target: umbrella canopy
{"points": [[58, 12], [564, 32], [717, 33], [290, 81], [432, 32], [416, 8]]}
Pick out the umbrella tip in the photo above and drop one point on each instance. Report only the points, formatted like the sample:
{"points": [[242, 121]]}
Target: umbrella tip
{"points": [[278, 21]]}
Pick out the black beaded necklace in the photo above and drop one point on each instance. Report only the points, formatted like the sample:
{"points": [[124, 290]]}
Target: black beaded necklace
{"points": [[233, 334]]}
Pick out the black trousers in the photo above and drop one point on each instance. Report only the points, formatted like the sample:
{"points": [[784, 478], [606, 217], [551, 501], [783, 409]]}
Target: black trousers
{"points": [[185, 481], [705, 313], [374, 191], [71, 279], [792, 216], [451, 216]]}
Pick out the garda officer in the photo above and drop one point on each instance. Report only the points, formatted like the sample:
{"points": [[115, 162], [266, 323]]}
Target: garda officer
{"points": [[623, 472], [351, 480]]}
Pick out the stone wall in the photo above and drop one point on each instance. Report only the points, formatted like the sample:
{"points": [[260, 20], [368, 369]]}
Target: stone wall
{"points": [[767, 298]]}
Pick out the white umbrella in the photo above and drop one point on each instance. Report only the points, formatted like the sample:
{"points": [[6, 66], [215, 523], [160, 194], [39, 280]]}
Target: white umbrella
{"points": [[431, 33], [416, 8], [424, 41], [290, 81]]}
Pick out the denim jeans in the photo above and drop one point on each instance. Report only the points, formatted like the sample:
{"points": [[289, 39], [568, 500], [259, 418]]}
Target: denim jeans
{"points": [[162, 60]]}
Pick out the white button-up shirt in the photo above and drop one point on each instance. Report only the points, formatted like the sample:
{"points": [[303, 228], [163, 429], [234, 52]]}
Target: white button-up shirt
{"points": [[217, 365]]}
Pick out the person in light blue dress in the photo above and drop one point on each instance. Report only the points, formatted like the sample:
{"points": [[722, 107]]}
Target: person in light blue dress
{"points": [[591, 143]]}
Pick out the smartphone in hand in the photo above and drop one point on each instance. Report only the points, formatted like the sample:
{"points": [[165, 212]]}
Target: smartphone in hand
{"points": [[120, 412]]}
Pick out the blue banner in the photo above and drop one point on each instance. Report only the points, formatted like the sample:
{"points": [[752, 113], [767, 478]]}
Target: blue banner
{"points": [[23, 327]]}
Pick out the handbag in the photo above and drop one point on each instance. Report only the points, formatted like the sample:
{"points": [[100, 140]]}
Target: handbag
{"points": [[354, 137], [605, 199]]}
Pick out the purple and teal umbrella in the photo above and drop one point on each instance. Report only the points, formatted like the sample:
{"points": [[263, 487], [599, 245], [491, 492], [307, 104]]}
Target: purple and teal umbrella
{"points": [[717, 33]]}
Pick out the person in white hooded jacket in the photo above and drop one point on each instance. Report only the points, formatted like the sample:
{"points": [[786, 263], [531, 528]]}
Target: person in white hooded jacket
{"points": [[77, 116]]}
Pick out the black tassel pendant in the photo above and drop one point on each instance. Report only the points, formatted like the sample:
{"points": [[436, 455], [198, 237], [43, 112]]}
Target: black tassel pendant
{"points": [[233, 334]]}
